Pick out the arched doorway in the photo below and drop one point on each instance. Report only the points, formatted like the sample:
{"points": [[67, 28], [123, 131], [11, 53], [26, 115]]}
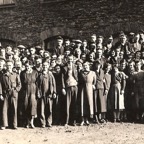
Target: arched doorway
{"points": [[49, 36], [50, 42], [6, 42]]}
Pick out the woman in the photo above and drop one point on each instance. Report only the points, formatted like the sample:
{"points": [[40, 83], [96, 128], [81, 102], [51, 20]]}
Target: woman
{"points": [[118, 83], [29, 88], [88, 81]]}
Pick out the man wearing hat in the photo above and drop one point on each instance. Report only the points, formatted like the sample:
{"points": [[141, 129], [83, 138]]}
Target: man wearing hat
{"points": [[59, 49]]}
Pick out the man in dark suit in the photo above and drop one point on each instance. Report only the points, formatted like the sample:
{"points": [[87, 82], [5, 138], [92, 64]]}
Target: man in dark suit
{"points": [[59, 49], [70, 89]]}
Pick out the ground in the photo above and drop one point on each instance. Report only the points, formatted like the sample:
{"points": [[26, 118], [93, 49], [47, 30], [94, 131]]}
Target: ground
{"points": [[110, 133]]}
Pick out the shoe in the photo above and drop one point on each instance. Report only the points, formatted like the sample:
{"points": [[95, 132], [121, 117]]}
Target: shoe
{"points": [[82, 123], [15, 128], [66, 125], [32, 126], [114, 120], [43, 126], [87, 122], [3, 128], [102, 121], [49, 125], [118, 120]]}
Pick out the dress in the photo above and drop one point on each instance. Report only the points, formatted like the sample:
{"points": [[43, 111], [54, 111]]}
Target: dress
{"points": [[88, 80], [29, 88]]}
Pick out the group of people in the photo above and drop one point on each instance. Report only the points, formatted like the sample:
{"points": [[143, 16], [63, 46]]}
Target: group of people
{"points": [[89, 81]]}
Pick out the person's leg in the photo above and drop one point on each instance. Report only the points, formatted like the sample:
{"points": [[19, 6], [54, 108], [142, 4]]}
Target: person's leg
{"points": [[5, 113], [42, 112], [68, 103], [14, 101], [114, 116], [74, 104], [49, 119]]}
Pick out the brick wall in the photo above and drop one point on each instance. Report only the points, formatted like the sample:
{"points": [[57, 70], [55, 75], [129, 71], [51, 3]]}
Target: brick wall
{"points": [[30, 21]]}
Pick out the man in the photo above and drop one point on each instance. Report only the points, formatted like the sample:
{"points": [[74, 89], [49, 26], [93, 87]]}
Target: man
{"points": [[59, 50], [47, 92], [11, 85], [70, 88], [2, 62]]}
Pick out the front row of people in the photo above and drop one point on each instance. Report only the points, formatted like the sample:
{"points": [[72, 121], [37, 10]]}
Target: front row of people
{"points": [[68, 94]]}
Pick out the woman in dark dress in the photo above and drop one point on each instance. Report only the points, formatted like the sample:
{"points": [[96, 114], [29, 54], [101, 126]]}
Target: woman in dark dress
{"points": [[29, 88]]}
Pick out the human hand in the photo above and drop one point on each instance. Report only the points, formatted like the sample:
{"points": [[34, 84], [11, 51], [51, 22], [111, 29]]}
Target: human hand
{"points": [[63, 91]]}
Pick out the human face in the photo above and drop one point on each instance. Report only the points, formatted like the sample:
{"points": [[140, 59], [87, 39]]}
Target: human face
{"points": [[45, 66], [123, 66], [138, 55], [99, 53], [8, 49], [84, 44], [41, 52], [57, 69], [59, 42], [46, 54], [117, 52], [86, 67], [28, 66], [131, 66], [123, 39], [100, 40], [93, 38], [38, 62], [83, 57], [67, 43], [113, 53], [9, 66], [32, 51], [70, 59]]}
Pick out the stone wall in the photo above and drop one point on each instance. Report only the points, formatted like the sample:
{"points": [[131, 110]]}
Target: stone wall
{"points": [[30, 21]]}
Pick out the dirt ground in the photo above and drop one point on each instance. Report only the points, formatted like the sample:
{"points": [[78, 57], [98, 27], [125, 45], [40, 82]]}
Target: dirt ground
{"points": [[110, 133]]}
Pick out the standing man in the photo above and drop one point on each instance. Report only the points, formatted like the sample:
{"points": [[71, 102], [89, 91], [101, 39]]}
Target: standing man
{"points": [[11, 85], [71, 79], [59, 50], [47, 92]]}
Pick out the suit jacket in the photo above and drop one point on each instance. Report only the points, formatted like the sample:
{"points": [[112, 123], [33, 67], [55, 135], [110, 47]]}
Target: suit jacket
{"points": [[100, 79], [59, 51], [74, 73], [10, 84]]}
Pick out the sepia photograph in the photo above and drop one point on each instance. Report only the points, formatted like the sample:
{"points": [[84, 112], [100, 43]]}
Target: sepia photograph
{"points": [[71, 72]]}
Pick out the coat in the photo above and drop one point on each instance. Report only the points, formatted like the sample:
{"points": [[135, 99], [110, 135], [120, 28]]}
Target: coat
{"points": [[87, 82], [29, 90], [139, 90], [99, 98], [46, 84], [117, 85]]}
